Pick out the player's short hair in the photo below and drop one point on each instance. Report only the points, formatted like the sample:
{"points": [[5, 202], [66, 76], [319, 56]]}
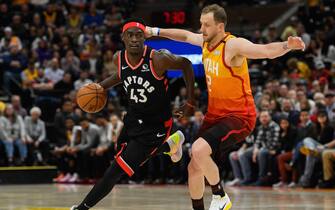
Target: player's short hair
{"points": [[219, 13]]}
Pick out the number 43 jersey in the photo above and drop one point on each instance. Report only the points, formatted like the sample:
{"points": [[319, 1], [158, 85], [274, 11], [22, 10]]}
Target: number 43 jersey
{"points": [[147, 93]]}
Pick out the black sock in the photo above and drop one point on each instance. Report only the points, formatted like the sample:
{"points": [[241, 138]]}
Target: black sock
{"points": [[103, 187], [164, 148], [198, 204], [218, 189]]}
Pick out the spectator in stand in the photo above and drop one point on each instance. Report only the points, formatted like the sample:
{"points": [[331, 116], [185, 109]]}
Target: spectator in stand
{"points": [[117, 126], [59, 121], [5, 16], [83, 80], [330, 105], [64, 86], [66, 162], [12, 133], [16, 103], [9, 40], [54, 73], [108, 64], [74, 21], [266, 145], [29, 75], [181, 98], [287, 140], [234, 159], [313, 146], [18, 27], [102, 154], [71, 63], [90, 138], [93, 17], [328, 161], [35, 137], [43, 51], [13, 63], [41, 83]]}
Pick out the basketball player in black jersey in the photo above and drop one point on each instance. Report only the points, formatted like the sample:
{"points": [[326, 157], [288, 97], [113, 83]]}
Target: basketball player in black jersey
{"points": [[147, 124]]}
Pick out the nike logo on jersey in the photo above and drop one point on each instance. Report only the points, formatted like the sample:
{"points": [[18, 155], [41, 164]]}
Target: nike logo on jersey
{"points": [[160, 135], [124, 67]]}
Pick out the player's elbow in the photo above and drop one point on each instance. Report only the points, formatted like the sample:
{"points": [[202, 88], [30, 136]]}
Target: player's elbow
{"points": [[187, 64]]}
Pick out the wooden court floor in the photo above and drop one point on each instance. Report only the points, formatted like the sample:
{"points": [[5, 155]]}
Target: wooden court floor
{"points": [[144, 197]]}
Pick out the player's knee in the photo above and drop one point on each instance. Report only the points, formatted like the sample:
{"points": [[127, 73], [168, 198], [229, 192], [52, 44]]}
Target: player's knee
{"points": [[193, 169], [200, 148]]}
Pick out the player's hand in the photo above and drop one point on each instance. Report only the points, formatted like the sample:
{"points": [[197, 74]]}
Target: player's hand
{"points": [[295, 43], [254, 155], [185, 110]]}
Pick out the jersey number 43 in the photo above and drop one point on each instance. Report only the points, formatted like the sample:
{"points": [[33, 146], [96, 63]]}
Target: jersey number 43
{"points": [[138, 95]]}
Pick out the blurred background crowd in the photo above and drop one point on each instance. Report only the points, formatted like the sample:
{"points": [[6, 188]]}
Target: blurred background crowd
{"points": [[49, 49]]}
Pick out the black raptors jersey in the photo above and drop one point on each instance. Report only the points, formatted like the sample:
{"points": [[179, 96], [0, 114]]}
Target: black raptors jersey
{"points": [[147, 93]]}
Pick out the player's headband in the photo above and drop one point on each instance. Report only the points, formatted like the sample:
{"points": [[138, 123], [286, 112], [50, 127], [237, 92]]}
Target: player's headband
{"points": [[133, 24]]}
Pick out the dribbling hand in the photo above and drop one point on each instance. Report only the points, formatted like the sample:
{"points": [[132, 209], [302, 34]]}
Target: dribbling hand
{"points": [[185, 110]]}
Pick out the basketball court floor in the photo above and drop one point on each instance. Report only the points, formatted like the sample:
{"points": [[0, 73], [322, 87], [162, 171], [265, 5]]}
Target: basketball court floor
{"points": [[144, 197]]}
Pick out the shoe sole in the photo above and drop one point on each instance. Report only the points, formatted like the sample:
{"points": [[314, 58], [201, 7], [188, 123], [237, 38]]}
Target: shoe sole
{"points": [[228, 206], [180, 150]]}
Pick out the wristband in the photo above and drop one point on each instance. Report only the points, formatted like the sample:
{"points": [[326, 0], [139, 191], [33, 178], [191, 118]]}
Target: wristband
{"points": [[155, 31]]}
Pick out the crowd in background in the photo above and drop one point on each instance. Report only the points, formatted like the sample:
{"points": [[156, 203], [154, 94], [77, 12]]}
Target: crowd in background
{"points": [[48, 51]]}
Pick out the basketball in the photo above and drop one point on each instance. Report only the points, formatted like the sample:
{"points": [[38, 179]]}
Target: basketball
{"points": [[91, 98]]}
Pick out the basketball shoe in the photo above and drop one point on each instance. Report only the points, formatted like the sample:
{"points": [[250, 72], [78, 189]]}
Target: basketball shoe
{"points": [[220, 203], [74, 208], [176, 142]]}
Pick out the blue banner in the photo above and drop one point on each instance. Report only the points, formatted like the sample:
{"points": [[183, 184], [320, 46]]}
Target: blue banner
{"points": [[191, 52]]}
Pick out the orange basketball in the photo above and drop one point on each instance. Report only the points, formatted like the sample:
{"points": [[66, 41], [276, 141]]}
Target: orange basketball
{"points": [[91, 98]]}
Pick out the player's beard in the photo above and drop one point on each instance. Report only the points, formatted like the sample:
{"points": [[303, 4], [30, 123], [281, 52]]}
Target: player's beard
{"points": [[208, 38]]}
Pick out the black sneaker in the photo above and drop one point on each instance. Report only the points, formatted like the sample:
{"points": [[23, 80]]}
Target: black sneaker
{"points": [[327, 184]]}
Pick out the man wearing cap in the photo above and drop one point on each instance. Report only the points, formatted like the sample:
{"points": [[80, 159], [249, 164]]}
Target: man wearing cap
{"points": [[9, 40], [148, 122]]}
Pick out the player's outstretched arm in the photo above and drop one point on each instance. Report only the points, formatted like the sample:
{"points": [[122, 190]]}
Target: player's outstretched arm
{"points": [[176, 34], [245, 48], [114, 78]]}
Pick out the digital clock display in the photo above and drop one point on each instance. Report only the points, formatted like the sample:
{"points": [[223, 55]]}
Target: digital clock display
{"points": [[170, 19]]}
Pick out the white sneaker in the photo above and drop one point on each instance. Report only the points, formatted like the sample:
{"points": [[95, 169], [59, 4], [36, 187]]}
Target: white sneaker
{"points": [[65, 178], [220, 203], [234, 182], [74, 178], [292, 185], [279, 185], [73, 208], [176, 142]]}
